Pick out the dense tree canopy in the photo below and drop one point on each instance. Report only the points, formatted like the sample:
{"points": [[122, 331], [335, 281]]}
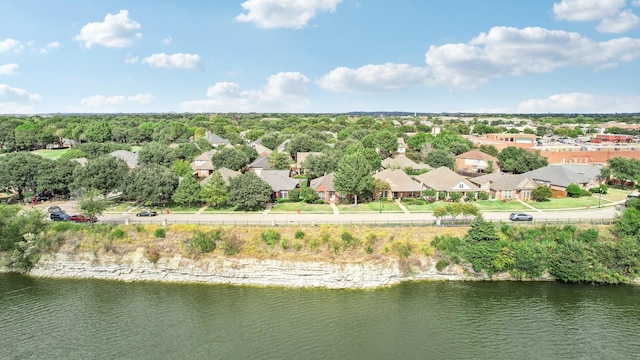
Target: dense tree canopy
{"points": [[105, 173], [19, 171], [150, 184], [353, 174], [518, 160], [249, 192], [230, 158]]}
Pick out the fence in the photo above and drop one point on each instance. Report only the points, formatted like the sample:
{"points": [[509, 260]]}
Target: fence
{"points": [[371, 223]]}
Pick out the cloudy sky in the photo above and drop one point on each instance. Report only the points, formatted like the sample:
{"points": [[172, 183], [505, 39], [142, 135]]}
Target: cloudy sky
{"points": [[322, 56]]}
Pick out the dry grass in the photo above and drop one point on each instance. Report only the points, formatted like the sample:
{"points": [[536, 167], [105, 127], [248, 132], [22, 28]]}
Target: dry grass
{"points": [[321, 243]]}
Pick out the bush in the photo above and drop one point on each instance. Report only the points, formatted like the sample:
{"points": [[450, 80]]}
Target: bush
{"points": [[270, 236], [117, 233], [588, 236], [348, 239], [159, 233], [232, 245], [573, 190], [299, 234], [202, 242], [442, 264], [483, 195], [402, 249]]}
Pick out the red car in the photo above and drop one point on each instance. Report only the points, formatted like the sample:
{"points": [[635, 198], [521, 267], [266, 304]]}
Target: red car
{"points": [[82, 218]]}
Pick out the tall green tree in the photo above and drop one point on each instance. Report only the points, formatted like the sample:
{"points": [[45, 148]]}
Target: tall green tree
{"points": [[105, 173], [58, 178], [150, 184], [353, 175], [438, 157], [187, 192], [156, 153], [249, 192], [19, 171], [518, 160], [279, 160], [230, 158], [93, 204], [481, 230], [99, 131], [625, 169], [215, 192]]}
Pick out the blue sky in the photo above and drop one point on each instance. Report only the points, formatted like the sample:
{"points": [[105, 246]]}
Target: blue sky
{"points": [[320, 56]]}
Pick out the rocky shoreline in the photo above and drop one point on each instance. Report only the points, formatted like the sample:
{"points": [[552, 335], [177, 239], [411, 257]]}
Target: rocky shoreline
{"points": [[135, 266]]}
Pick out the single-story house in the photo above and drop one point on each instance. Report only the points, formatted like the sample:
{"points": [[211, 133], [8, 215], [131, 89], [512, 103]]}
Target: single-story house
{"points": [[401, 185], [323, 186], [226, 175], [504, 186], [129, 157], [403, 162], [216, 140], [475, 162], [447, 181], [558, 177], [280, 182]]}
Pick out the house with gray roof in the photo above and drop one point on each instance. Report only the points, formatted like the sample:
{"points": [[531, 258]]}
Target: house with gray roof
{"points": [[283, 146], [280, 182], [403, 162], [401, 185], [226, 175], [558, 177], [258, 165], [129, 157], [216, 140], [447, 181], [504, 186]]}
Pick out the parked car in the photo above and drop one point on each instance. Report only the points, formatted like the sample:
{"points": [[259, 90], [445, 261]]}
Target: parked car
{"points": [[82, 218], [631, 197], [520, 217], [43, 196], [147, 213], [54, 209], [59, 216]]}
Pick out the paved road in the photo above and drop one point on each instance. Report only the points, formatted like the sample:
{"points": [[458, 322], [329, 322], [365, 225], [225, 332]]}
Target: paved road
{"points": [[561, 216]]}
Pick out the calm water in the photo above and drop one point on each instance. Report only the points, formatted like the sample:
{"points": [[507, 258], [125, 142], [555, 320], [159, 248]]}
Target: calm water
{"points": [[87, 319]]}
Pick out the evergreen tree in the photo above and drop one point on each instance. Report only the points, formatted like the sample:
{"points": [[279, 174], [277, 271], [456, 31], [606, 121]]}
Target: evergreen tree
{"points": [[187, 192], [215, 192], [481, 230]]}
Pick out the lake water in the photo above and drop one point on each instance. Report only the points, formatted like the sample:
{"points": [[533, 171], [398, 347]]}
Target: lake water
{"points": [[89, 319]]}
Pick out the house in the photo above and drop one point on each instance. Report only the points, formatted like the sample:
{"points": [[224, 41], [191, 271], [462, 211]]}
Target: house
{"points": [[226, 175], [447, 181], [401, 185], [474, 162], [403, 162], [202, 165], [216, 140], [280, 182], [503, 186], [402, 146], [258, 165], [282, 147], [260, 149], [129, 157], [301, 157], [558, 177], [323, 186]]}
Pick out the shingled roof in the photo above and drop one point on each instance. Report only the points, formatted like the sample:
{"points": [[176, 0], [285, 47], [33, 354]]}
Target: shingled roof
{"points": [[445, 179], [557, 175], [398, 180], [504, 181], [279, 180]]}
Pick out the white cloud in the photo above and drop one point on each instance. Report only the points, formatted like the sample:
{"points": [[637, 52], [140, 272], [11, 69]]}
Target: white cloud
{"points": [[367, 78], [16, 101], [8, 69], [10, 45], [290, 14], [99, 101], [506, 51], [635, 3], [619, 23], [130, 59], [115, 31], [581, 103], [168, 40], [50, 46], [586, 10], [178, 60], [284, 91]]}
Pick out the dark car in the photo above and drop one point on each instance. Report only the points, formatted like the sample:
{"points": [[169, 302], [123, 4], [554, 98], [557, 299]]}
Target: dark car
{"points": [[147, 213], [82, 218], [520, 217], [54, 209], [59, 216], [43, 196]]}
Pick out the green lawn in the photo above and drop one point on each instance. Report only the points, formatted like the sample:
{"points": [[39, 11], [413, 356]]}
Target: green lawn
{"points": [[303, 207], [497, 205], [615, 194], [119, 208], [569, 203], [52, 154], [373, 206]]}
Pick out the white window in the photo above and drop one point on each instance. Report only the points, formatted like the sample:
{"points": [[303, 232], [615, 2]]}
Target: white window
{"points": [[507, 194], [284, 194]]}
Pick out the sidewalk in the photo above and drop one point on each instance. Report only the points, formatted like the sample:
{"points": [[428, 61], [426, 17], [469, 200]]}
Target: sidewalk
{"points": [[529, 206]]}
